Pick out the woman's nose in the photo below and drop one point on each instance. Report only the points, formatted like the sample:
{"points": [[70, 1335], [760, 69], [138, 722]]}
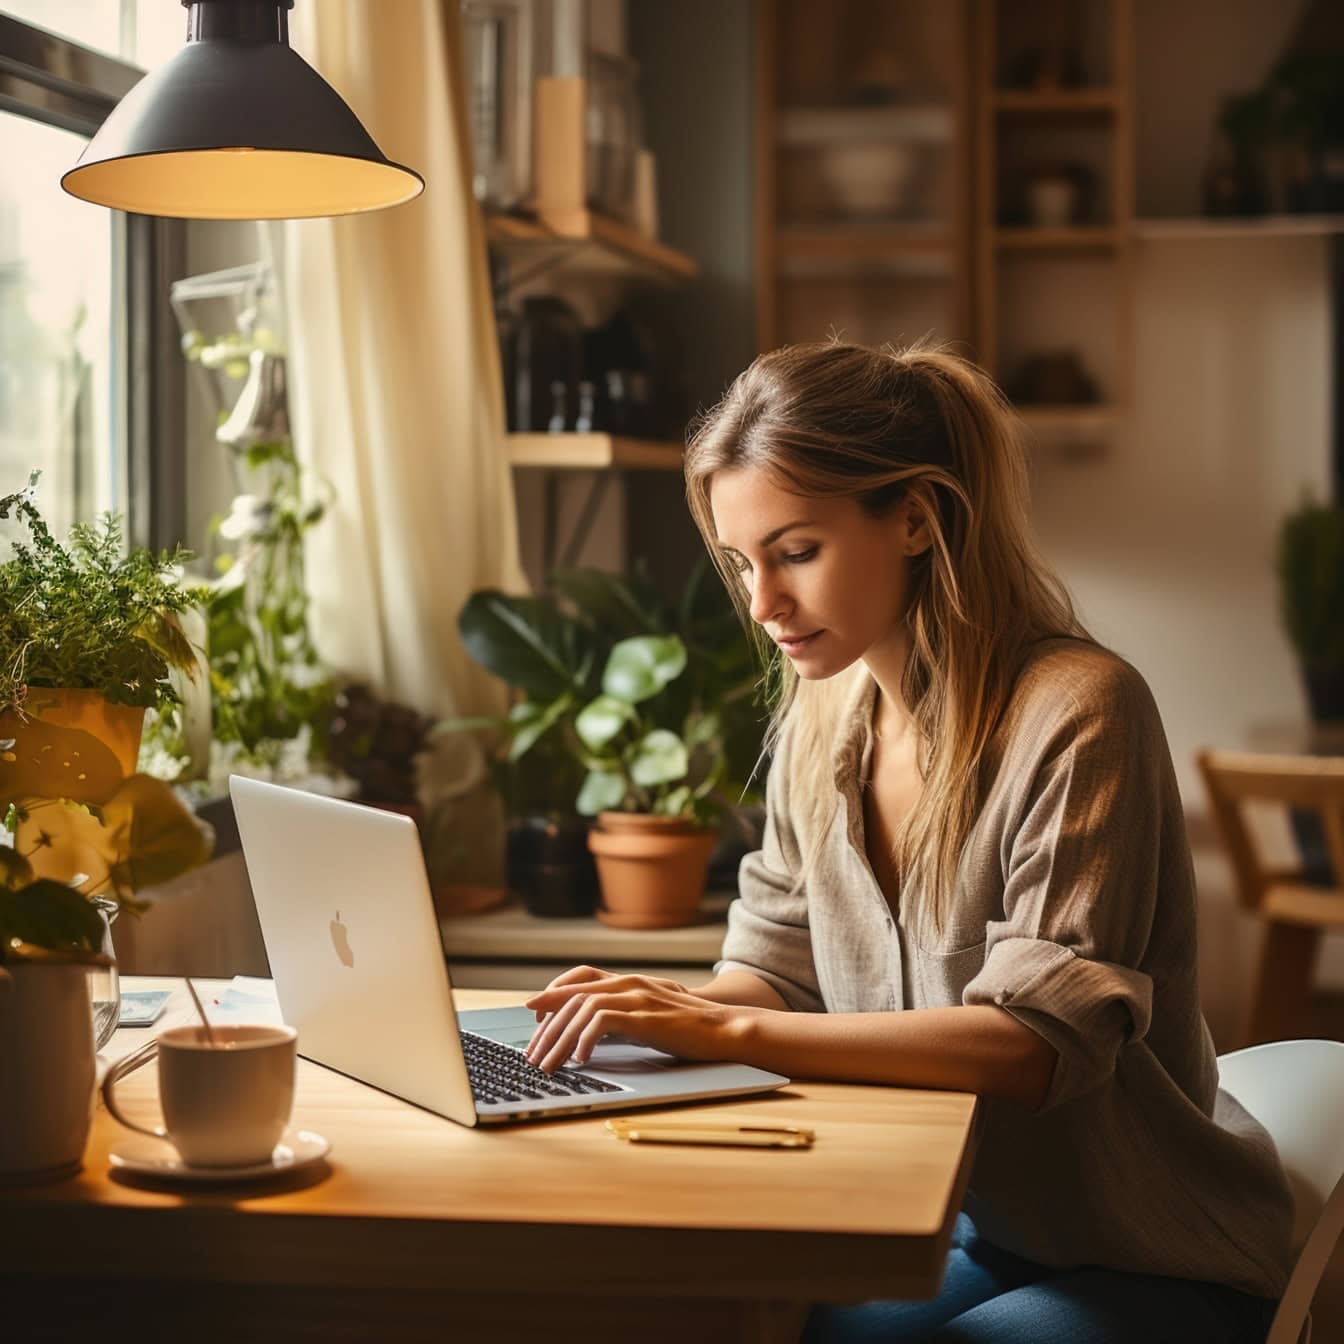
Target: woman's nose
{"points": [[766, 599]]}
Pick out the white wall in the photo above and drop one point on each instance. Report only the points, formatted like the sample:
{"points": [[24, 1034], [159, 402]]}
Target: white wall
{"points": [[1168, 540]]}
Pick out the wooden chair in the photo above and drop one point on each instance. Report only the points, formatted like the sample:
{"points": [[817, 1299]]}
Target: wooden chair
{"points": [[1295, 912]]}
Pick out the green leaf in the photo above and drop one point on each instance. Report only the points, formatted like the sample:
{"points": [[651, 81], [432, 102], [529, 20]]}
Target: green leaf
{"points": [[15, 870], [525, 642], [639, 668], [601, 720], [701, 728], [658, 757], [674, 803], [612, 603], [602, 791], [51, 915], [527, 728]]}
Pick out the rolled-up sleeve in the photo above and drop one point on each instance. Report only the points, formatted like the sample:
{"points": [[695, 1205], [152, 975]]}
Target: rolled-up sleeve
{"points": [[1081, 885], [768, 932]]}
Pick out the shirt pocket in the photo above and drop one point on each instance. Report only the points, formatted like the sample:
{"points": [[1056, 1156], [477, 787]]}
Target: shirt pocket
{"points": [[937, 976]]}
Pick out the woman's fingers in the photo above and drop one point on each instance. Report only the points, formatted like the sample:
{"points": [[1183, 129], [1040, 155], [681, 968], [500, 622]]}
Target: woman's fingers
{"points": [[575, 975], [552, 1027], [563, 1035]]}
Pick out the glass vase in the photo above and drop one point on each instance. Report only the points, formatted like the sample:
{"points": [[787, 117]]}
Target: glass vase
{"points": [[104, 982]]}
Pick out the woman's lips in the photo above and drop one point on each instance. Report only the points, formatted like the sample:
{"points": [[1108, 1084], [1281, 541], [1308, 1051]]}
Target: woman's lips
{"points": [[792, 646]]}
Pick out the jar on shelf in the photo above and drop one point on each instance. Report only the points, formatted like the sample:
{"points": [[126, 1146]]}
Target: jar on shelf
{"points": [[612, 133]]}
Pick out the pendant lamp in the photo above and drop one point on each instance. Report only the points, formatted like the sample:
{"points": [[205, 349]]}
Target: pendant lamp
{"points": [[237, 125]]}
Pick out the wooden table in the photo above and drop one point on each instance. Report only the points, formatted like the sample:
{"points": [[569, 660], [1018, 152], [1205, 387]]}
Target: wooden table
{"points": [[416, 1228]]}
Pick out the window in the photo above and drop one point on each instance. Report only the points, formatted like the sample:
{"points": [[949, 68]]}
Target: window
{"points": [[61, 305], [90, 377]]}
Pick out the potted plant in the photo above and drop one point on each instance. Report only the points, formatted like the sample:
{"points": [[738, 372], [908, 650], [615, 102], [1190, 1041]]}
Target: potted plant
{"points": [[49, 939], [609, 676], [655, 828], [89, 632], [88, 635], [1311, 591]]}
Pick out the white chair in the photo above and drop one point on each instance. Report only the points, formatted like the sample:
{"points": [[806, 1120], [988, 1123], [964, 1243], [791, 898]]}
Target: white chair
{"points": [[1296, 1090]]}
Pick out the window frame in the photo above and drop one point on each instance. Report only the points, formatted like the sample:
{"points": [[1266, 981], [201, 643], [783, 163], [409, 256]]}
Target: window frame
{"points": [[50, 79]]}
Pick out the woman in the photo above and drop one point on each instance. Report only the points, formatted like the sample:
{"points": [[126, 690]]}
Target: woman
{"points": [[974, 873]]}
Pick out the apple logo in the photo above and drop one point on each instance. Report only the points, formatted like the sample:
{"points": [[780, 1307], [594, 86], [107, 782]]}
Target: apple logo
{"points": [[341, 942]]}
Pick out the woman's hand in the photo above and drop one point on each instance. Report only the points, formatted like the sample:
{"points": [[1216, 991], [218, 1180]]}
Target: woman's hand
{"points": [[584, 1005]]}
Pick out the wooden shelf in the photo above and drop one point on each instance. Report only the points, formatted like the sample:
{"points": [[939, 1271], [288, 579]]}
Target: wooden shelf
{"points": [[821, 126], [1250, 226], [1083, 238], [1060, 103], [593, 452], [597, 244], [847, 241]]}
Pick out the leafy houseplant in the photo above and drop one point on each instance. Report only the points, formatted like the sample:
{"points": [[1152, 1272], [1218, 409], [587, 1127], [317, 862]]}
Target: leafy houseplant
{"points": [[641, 709], [91, 615], [88, 634], [1311, 588]]}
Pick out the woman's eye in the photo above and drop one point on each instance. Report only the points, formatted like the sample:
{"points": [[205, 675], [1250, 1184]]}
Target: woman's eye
{"points": [[801, 557]]}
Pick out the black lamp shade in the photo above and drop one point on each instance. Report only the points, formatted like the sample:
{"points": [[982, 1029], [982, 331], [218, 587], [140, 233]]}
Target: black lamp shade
{"points": [[237, 125]]}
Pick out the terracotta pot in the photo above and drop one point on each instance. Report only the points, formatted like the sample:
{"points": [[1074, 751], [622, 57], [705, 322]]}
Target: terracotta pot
{"points": [[46, 1070], [68, 746], [652, 870]]}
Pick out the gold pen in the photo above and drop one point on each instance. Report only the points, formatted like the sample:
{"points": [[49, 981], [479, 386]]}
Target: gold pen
{"points": [[737, 1136]]}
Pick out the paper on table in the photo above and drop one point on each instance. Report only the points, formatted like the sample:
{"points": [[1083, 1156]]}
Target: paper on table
{"points": [[247, 999]]}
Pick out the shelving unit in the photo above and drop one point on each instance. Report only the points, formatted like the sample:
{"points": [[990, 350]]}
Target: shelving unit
{"points": [[1082, 238], [593, 452], [1250, 226], [588, 243], [1044, 290], [862, 197]]}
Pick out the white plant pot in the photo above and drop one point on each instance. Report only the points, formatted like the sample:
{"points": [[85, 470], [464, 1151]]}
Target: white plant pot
{"points": [[46, 1070]]}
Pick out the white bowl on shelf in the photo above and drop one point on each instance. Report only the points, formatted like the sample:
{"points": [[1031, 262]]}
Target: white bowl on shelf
{"points": [[874, 177]]}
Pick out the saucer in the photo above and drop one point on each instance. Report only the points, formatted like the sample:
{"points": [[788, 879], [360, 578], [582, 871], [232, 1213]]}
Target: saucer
{"points": [[158, 1158]]}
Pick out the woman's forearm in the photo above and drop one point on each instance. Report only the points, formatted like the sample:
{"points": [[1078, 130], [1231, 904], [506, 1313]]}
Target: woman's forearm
{"points": [[960, 1049], [742, 989]]}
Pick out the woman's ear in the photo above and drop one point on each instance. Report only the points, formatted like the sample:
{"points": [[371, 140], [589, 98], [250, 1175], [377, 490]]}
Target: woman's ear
{"points": [[916, 537]]}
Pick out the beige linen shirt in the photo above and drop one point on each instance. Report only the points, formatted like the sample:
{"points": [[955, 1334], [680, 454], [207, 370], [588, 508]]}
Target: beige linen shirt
{"points": [[1075, 912]]}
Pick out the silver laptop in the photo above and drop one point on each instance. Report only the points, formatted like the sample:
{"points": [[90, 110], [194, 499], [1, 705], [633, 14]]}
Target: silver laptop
{"points": [[361, 972]]}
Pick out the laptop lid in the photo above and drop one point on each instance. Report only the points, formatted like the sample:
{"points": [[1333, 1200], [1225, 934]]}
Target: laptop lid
{"points": [[350, 932]]}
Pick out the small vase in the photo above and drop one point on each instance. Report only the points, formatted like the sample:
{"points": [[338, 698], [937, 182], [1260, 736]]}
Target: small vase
{"points": [[46, 1070]]}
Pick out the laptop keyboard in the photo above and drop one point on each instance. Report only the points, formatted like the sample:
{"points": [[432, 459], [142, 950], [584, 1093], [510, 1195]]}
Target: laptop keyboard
{"points": [[500, 1072]]}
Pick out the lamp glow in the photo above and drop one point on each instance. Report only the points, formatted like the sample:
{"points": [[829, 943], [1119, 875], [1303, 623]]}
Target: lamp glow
{"points": [[237, 125]]}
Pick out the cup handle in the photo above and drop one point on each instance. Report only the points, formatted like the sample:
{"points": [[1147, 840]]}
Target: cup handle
{"points": [[113, 1076]]}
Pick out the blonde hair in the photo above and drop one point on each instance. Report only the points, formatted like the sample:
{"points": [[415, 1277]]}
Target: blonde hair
{"points": [[834, 420]]}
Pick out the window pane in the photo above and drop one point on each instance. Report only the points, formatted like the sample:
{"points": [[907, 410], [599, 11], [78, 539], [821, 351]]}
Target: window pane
{"points": [[60, 319], [144, 32], [91, 23]]}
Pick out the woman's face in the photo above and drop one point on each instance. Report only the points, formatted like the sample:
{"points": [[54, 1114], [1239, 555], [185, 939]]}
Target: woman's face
{"points": [[827, 581]]}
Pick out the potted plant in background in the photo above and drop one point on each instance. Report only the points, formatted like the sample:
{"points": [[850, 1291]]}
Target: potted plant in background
{"points": [[1311, 599], [686, 670], [655, 815], [1311, 591], [89, 632], [50, 939]]}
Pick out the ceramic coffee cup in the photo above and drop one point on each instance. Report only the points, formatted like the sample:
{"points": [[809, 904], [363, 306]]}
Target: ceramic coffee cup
{"points": [[224, 1105]]}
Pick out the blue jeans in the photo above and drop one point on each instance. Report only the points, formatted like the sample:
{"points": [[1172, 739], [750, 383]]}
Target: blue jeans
{"points": [[991, 1297]]}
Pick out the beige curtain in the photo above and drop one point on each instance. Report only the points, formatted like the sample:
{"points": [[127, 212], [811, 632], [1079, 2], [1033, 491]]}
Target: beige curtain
{"points": [[395, 384]]}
